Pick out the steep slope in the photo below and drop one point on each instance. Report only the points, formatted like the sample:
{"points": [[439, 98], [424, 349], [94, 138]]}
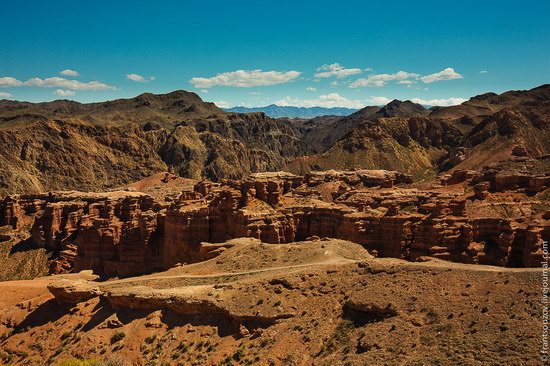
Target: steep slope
{"points": [[407, 137], [489, 103], [322, 133], [47, 155], [497, 136], [68, 145], [409, 145]]}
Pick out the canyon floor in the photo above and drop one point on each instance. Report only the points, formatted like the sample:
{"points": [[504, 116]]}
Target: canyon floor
{"points": [[319, 302]]}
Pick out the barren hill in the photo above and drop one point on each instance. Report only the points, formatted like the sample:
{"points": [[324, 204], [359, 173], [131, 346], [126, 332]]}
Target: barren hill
{"points": [[406, 137], [69, 145]]}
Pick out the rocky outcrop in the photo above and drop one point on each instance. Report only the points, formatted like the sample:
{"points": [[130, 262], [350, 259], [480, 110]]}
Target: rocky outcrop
{"points": [[481, 190], [120, 236], [89, 230], [125, 233], [501, 180], [71, 292], [367, 178], [70, 289]]}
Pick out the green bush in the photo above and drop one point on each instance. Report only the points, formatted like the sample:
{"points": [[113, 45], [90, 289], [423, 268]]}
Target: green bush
{"points": [[118, 336]]}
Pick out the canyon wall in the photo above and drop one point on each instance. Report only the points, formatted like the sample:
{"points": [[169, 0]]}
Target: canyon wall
{"points": [[123, 233]]}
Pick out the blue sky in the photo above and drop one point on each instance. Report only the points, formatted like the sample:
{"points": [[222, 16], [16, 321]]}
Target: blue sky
{"points": [[345, 53]]}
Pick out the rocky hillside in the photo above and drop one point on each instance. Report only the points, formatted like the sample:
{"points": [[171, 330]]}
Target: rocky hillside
{"points": [[68, 145], [407, 137], [97, 146]]}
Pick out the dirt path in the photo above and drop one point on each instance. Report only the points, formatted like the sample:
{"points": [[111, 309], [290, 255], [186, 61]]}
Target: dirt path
{"points": [[14, 292], [332, 261], [437, 263]]}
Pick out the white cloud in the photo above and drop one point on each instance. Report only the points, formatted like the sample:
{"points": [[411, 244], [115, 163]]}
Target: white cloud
{"points": [[69, 72], [245, 78], [327, 71], [336, 100], [333, 100], [311, 89], [222, 104], [379, 100], [334, 83], [139, 79], [328, 101], [205, 91], [405, 78], [55, 82], [406, 82], [448, 74], [483, 72], [5, 95], [439, 102], [255, 93], [379, 80], [64, 93], [8, 81], [68, 84]]}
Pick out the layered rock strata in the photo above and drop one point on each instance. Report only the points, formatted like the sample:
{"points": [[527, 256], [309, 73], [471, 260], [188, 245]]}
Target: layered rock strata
{"points": [[125, 233]]}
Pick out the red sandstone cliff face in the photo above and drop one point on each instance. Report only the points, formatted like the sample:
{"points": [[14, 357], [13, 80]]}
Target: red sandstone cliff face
{"points": [[104, 231], [124, 233]]}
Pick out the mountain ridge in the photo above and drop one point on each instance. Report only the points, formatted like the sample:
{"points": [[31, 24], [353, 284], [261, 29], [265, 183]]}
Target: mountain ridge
{"points": [[97, 146], [277, 111]]}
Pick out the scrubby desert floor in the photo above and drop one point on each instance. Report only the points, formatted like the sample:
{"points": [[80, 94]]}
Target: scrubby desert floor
{"points": [[320, 302]]}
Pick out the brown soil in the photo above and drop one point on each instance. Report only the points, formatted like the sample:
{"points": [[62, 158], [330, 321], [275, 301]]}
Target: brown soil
{"points": [[335, 305]]}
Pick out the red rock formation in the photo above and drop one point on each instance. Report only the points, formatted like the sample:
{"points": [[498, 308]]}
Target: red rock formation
{"points": [[64, 262], [120, 236], [503, 180], [125, 233], [19, 211], [520, 150], [57, 223], [481, 190]]}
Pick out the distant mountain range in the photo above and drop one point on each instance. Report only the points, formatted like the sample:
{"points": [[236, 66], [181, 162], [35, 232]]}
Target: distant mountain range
{"points": [[277, 111]]}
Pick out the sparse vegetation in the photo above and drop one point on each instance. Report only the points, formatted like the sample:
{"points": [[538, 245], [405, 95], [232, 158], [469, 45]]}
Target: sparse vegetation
{"points": [[77, 362], [239, 354], [117, 336], [150, 339]]}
